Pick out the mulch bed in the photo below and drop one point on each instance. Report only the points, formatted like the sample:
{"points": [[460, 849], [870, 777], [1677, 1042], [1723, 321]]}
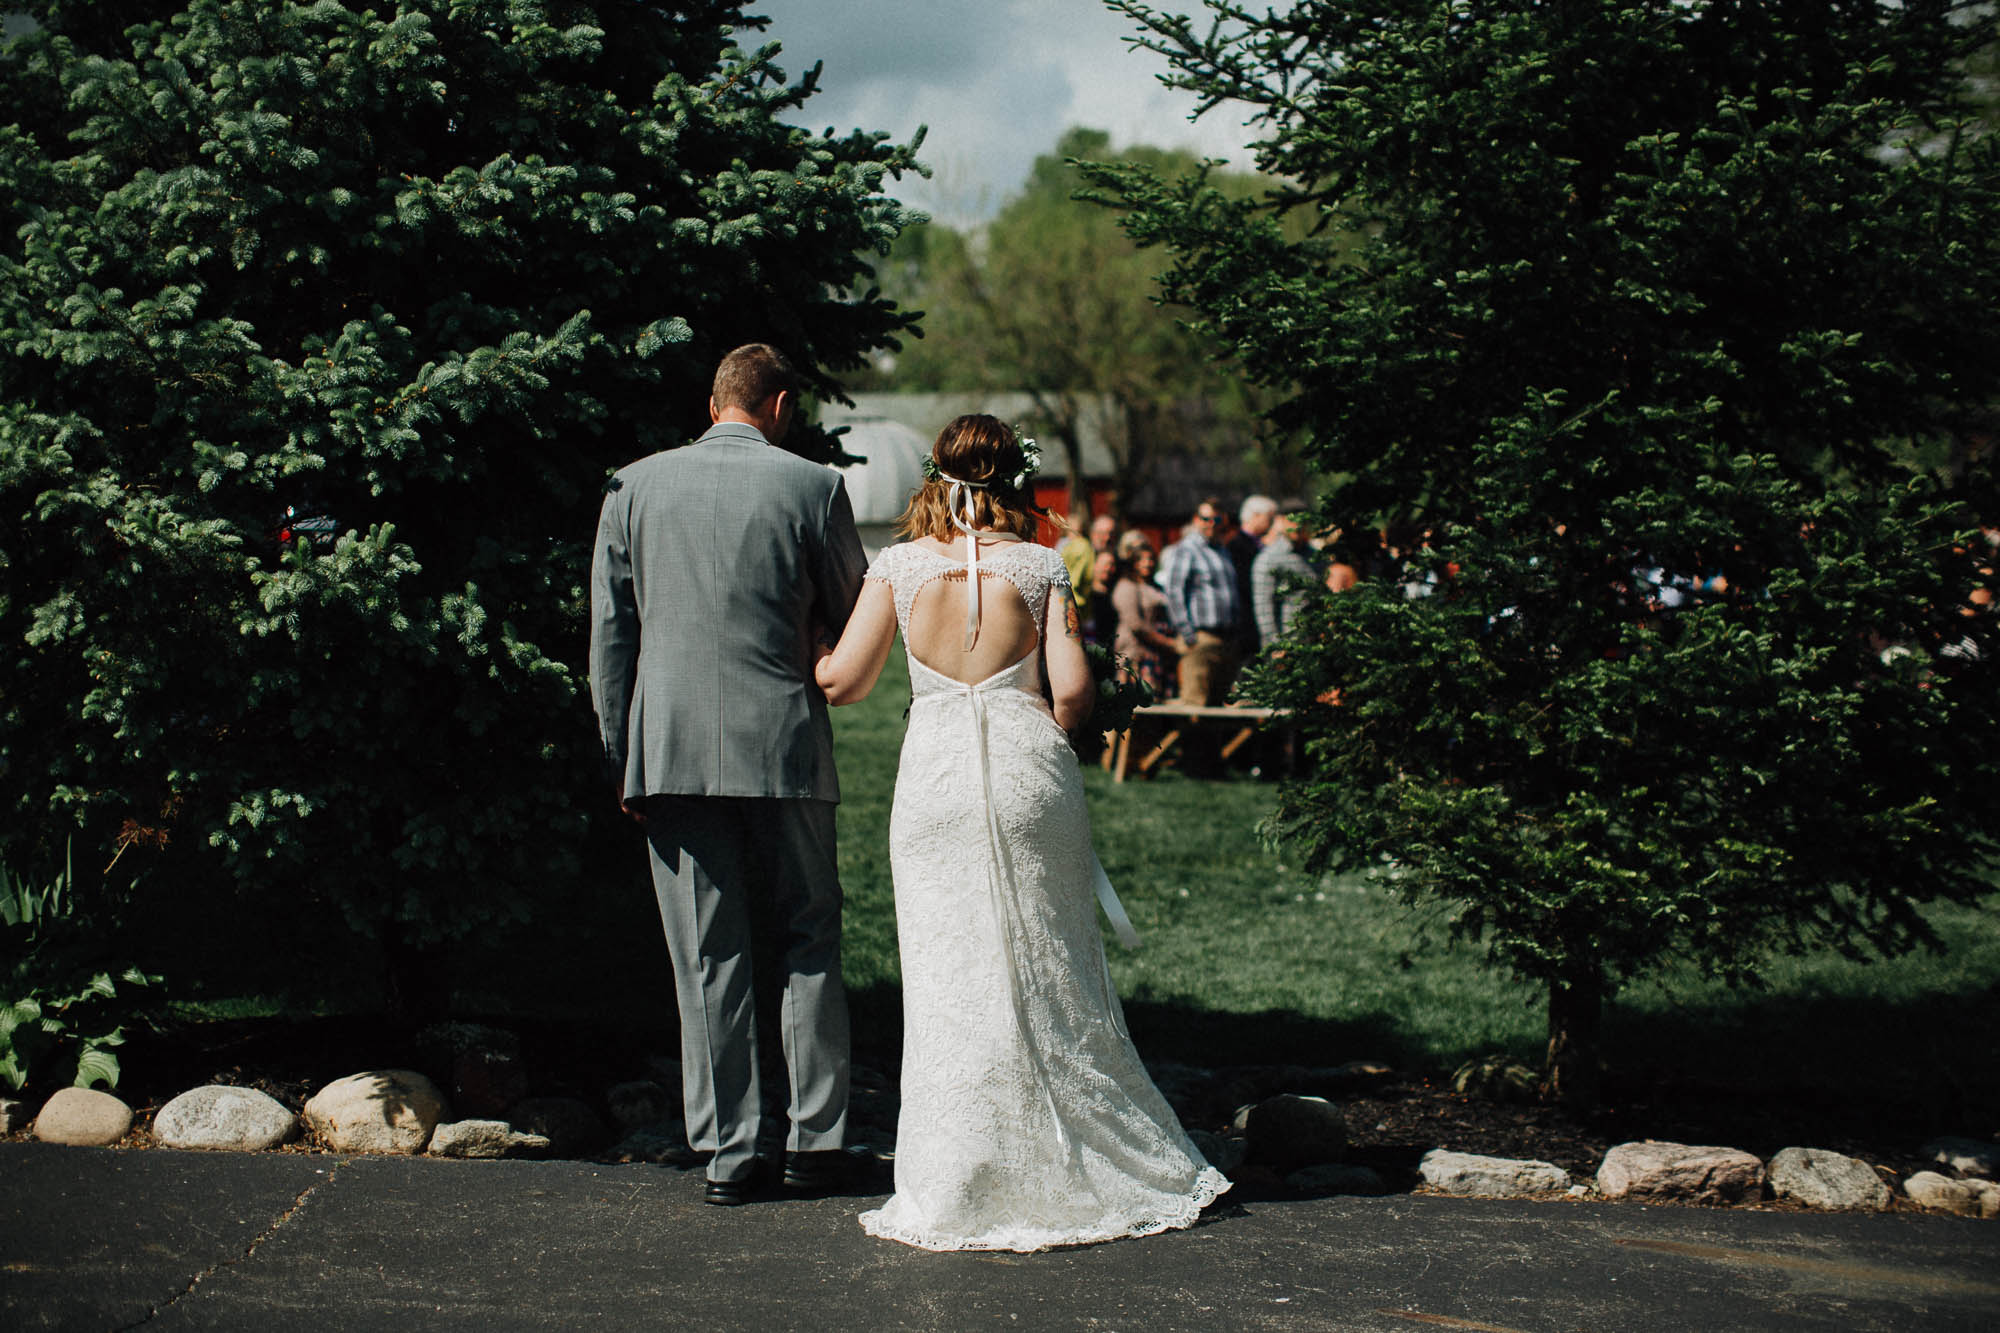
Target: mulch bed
{"points": [[1393, 1118]]}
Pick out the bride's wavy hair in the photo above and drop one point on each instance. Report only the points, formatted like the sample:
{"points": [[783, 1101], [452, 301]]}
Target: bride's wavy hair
{"points": [[984, 451]]}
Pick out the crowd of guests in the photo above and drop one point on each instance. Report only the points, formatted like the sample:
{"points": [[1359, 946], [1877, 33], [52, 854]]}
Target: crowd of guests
{"points": [[1188, 618]]}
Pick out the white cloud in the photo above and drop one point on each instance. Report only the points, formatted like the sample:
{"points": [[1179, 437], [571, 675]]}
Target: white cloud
{"points": [[996, 81]]}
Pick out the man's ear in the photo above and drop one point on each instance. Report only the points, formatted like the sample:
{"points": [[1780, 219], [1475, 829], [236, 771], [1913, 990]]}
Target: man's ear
{"points": [[713, 415]]}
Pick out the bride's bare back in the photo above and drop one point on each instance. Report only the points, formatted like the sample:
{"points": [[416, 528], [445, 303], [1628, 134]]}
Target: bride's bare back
{"points": [[934, 632], [937, 627]]}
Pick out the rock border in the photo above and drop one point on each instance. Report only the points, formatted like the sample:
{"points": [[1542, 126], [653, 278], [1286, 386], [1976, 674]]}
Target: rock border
{"points": [[1288, 1133]]}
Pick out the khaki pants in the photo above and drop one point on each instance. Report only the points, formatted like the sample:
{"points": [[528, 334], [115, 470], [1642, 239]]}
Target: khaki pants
{"points": [[1208, 669]]}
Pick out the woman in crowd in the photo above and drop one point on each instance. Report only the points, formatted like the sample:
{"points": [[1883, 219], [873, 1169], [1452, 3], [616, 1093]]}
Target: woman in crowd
{"points": [[1143, 637]]}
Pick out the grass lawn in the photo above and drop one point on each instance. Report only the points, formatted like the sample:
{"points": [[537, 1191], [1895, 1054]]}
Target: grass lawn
{"points": [[1248, 959]]}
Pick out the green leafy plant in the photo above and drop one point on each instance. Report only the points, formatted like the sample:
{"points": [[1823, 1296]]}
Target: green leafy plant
{"points": [[1496, 1078], [1119, 690], [60, 1015]]}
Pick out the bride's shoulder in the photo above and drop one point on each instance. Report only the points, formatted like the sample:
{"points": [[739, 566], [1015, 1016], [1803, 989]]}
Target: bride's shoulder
{"points": [[899, 557], [888, 561]]}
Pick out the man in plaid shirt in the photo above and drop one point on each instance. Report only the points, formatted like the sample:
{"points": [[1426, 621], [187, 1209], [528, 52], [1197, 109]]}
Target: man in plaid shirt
{"points": [[1199, 580]]}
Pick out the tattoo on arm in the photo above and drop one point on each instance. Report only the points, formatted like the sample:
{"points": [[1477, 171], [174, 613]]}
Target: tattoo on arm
{"points": [[1072, 623]]}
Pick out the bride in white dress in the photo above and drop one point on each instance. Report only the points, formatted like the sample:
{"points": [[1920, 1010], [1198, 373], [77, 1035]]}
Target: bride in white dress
{"points": [[1027, 1118]]}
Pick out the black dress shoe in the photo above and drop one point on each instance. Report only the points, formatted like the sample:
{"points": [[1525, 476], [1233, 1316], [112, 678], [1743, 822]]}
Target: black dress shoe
{"points": [[815, 1172], [726, 1193]]}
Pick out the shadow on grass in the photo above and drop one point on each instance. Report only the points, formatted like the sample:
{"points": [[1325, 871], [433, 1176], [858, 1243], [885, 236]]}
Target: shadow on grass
{"points": [[1780, 1070], [1848, 1070], [1808, 1071]]}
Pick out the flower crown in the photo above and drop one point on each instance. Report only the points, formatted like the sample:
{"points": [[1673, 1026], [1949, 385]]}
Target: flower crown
{"points": [[1031, 463]]}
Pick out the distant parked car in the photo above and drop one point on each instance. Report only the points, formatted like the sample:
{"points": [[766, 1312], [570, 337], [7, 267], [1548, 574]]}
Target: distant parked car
{"points": [[307, 528]]}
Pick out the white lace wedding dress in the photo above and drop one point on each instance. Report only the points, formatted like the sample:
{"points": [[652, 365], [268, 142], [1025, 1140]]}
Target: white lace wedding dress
{"points": [[1027, 1118]]}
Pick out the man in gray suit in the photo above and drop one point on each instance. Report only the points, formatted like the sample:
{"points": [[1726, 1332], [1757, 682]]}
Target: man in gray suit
{"points": [[717, 566]]}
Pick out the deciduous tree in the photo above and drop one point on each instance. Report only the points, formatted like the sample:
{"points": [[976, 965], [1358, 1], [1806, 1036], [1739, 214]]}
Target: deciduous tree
{"points": [[1052, 299]]}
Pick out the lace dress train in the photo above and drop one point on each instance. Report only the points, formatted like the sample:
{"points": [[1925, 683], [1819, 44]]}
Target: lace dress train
{"points": [[1027, 1117]]}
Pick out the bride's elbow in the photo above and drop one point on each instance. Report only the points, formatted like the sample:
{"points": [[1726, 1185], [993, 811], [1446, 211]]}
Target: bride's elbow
{"points": [[840, 691], [830, 684], [849, 695], [845, 683], [1072, 708]]}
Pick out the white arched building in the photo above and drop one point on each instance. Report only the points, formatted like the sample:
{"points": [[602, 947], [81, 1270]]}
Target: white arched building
{"points": [[894, 431], [891, 470]]}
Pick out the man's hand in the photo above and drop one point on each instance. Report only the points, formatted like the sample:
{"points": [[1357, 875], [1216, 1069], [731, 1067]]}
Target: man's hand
{"points": [[638, 814]]}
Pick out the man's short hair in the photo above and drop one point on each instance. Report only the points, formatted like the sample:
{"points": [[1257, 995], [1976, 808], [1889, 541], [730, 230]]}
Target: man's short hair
{"points": [[749, 376], [1255, 505]]}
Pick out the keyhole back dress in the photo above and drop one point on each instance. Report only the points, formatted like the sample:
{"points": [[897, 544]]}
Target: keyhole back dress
{"points": [[1027, 1120]]}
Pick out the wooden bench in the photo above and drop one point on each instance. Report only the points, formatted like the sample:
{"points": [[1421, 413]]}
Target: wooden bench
{"points": [[1162, 726]]}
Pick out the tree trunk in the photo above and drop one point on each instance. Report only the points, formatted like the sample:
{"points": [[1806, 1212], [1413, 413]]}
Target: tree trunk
{"points": [[1576, 1015]]}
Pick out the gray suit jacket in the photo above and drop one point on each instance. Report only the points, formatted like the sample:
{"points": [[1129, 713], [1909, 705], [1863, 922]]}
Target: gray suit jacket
{"points": [[715, 565]]}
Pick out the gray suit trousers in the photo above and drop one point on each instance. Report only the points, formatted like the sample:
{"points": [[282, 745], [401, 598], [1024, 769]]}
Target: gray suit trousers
{"points": [[750, 899]]}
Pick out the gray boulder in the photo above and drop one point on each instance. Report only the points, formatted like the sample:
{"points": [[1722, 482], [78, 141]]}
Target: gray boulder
{"points": [[1967, 1198], [84, 1118], [1968, 1157], [571, 1127], [484, 1139], [1337, 1178], [1822, 1179], [1489, 1177], [219, 1117], [381, 1111], [1288, 1131], [1653, 1170]]}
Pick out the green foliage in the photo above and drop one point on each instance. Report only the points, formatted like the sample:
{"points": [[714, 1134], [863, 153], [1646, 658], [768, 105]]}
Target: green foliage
{"points": [[320, 328], [1119, 691], [60, 1013], [1496, 1079], [1052, 298], [1599, 288]]}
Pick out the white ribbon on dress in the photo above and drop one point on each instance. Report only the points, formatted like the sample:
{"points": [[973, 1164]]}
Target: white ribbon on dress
{"points": [[962, 490], [1107, 898], [958, 502]]}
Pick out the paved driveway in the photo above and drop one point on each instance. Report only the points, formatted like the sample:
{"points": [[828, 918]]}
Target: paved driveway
{"points": [[98, 1239]]}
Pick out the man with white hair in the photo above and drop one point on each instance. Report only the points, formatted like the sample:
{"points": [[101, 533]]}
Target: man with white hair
{"points": [[1253, 521]]}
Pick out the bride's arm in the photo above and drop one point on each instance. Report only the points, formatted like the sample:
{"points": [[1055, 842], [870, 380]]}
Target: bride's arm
{"points": [[1071, 689], [851, 669]]}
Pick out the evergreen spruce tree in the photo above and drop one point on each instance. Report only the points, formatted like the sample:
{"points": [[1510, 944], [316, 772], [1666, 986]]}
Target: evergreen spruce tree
{"points": [[321, 326], [1665, 316]]}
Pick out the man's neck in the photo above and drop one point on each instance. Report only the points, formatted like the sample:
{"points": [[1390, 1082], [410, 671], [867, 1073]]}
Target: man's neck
{"points": [[736, 416]]}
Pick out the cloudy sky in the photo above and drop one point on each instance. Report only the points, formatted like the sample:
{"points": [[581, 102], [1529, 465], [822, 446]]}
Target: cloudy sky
{"points": [[997, 81]]}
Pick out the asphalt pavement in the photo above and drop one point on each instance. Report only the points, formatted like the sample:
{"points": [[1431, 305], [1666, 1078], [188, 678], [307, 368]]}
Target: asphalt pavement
{"points": [[158, 1239]]}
